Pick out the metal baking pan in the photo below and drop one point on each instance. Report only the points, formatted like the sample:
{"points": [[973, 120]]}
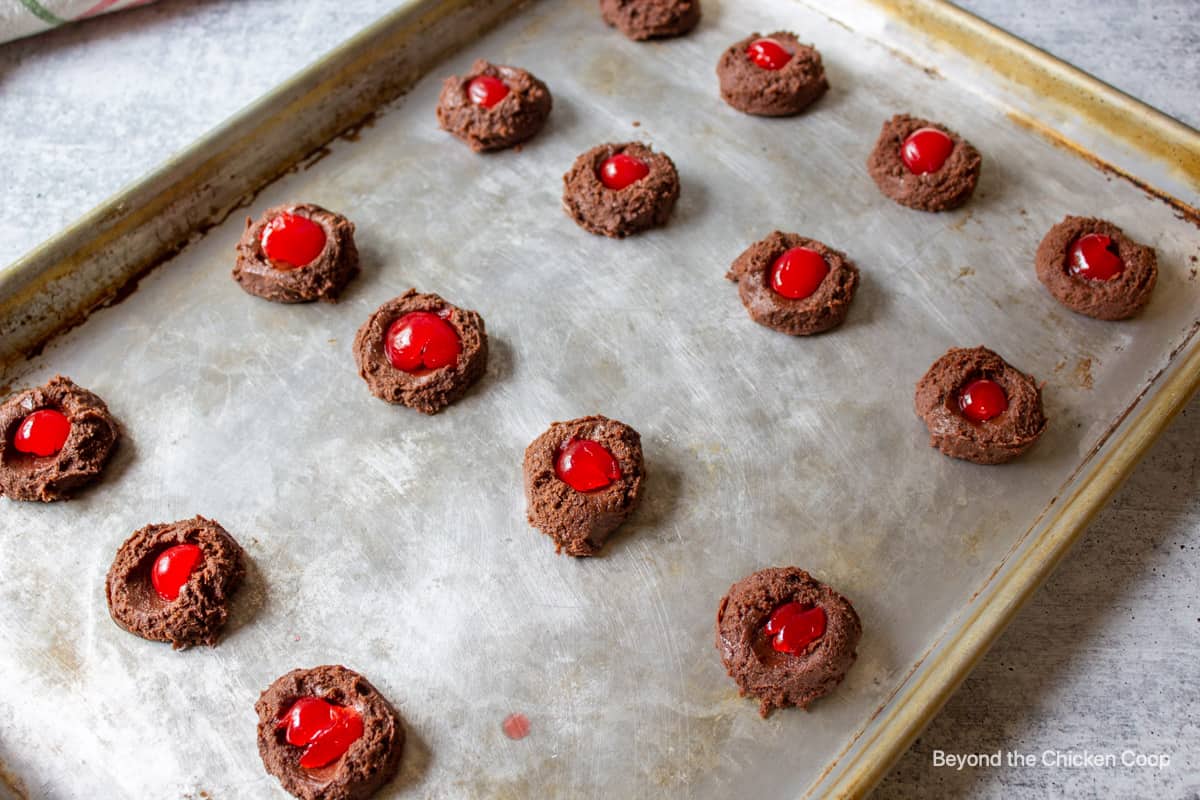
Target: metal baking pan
{"points": [[396, 543]]}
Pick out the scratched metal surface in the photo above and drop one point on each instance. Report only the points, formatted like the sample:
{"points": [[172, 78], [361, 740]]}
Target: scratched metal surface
{"points": [[396, 544]]}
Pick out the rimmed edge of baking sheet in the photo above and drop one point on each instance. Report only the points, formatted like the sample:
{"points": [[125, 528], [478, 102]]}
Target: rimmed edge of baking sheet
{"points": [[932, 682], [1142, 129], [1105, 123], [99, 259]]}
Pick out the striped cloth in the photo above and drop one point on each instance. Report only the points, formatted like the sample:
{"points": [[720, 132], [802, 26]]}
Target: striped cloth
{"points": [[24, 17]]}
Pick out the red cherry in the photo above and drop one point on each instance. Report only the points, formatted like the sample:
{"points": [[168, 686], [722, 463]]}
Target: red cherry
{"points": [[487, 91], [798, 272], [324, 729], [292, 241], [620, 170], [1094, 257], [768, 54], [926, 150], [333, 745], [982, 400], [422, 340], [585, 465], [42, 433], [172, 569], [795, 627], [307, 719]]}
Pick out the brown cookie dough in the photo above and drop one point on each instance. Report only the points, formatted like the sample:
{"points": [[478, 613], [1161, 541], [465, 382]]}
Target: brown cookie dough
{"points": [[514, 119], [321, 279], [822, 310], [371, 760], [781, 679], [993, 441], [581, 522], [93, 436], [647, 203], [772, 92], [199, 613], [428, 391], [651, 19], [1118, 298], [947, 187]]}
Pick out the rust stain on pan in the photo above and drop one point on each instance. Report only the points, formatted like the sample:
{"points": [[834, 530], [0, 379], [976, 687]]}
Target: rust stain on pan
{"points": [[1186, 212], [1150, 132], [354, 132], [122, 291], [1083, 373], [14, 785]]}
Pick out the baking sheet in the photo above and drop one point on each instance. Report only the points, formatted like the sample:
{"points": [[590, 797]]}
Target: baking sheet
{"points": [[396, 544]]}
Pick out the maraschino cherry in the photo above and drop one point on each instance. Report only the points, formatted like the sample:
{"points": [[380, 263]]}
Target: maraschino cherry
{"points": [[798, 272], [172, 569], [325, 730], [585, 465], [291, 241], [42, 433], [420, 341], [768, 54], [486, 90], [794, 627], [621, 170], [982, 399], [1094, 257], [926, 150]]}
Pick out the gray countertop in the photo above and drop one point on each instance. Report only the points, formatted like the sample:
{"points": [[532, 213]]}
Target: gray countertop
{"points": [[1103, 660]]}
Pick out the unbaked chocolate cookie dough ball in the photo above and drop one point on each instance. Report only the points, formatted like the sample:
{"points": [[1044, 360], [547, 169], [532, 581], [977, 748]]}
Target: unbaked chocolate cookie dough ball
{"points": [[651, 19], [771, 76], [419, 351], [978, 407], [174, 582], [493, 106], [794, 284], [56, 439], [583, 478], [1093, 268], [786, 638], [924, 165], [327, 734], [296, 254], [618, 190]]}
